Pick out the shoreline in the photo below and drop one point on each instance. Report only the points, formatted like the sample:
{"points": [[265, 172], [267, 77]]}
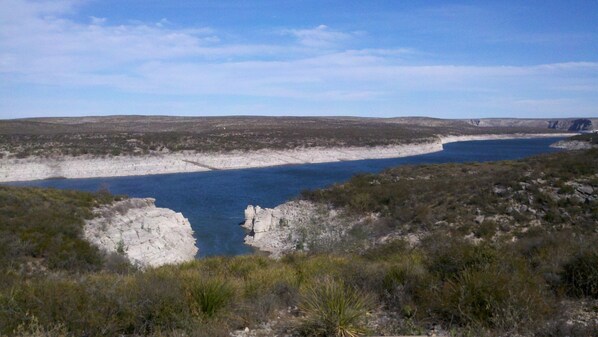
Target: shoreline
{"points": [[36, 168]]}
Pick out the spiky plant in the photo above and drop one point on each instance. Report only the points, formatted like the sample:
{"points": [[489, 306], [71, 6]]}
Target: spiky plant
{"points": [[333, 309]]}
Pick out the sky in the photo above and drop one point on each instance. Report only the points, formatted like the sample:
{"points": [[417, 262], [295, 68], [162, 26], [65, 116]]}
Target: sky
{"points": [[445, 59]]}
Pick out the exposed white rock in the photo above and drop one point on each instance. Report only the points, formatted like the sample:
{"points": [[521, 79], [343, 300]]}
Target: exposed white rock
{"points": [[294, 225], [249, 216], [572, 145], [147, 235], [270, 228], [12, 169], [465, 138]]}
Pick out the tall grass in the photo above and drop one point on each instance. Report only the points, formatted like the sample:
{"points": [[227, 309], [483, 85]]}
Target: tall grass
{"points": [[333, 309], [208, 297]]}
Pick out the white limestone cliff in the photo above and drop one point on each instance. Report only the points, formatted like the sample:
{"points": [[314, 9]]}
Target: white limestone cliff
{"points": [[146, 235], [294, 225]]}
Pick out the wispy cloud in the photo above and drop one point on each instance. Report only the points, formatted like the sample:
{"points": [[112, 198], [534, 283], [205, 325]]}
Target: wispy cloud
{"points": [[319, 37]]}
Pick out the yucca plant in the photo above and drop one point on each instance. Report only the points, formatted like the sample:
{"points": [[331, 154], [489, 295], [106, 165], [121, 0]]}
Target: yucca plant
{"points": [[208, 297], [333, 309]]}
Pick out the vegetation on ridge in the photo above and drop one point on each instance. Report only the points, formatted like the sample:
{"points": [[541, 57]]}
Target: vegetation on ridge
{"points": [[591, 138], [497, 201], [42, 229], [144, 135]]}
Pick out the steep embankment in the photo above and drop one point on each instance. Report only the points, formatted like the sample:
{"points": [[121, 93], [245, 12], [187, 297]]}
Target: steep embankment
{"points": [[145, 234], [564, 124], [33, 168]]}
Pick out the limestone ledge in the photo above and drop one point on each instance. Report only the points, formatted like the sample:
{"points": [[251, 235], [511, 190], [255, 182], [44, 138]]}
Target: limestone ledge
{"points": [[146, 235], [573, 145], [276, 230], [297, 225], [35, 168]]}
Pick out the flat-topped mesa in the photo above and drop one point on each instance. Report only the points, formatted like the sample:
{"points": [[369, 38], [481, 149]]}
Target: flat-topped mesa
{"points": [[146, 235]]}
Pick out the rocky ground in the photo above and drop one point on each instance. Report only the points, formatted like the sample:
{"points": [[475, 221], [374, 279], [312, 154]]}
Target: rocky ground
{"points": [[573, 145], [500, 209]]}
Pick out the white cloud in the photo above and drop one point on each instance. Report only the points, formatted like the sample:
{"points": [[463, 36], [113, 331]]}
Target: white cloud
{"points": [[97, 21], [39, 45], [318, 37]]}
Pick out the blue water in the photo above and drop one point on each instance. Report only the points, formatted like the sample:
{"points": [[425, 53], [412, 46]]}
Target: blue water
{"points": [[214, 201]]}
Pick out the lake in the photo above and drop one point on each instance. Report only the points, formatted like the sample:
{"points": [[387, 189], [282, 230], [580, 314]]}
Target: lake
{"points": [[214, 201]]}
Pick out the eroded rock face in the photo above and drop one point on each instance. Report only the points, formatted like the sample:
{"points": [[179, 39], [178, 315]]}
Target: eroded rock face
{"points": [[572, 145], [261, 220], [295, 225], [147, 235], [275, 230]]}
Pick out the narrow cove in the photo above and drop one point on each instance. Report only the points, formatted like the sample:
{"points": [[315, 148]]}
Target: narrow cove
{"points": [[214, 201]]}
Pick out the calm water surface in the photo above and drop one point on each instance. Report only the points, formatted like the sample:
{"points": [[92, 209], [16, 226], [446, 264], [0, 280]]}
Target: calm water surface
{"points": [[214, 201]]}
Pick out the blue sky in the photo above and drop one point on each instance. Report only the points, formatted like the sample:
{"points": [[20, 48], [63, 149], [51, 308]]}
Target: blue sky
{"points": [[363, 58]]}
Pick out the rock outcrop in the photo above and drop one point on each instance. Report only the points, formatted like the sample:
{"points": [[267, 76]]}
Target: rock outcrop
{"points": [[146, 235], [269, 227], [564, 124], [296, 225], [284, 228], [573, 145]]}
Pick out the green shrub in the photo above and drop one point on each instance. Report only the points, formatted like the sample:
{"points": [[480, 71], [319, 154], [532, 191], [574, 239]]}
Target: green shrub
{"points": [[486, 230], [494, 297], [209, 297], [580, 275], [333, 309], [45, 225], [448, 257], [408, 285]]}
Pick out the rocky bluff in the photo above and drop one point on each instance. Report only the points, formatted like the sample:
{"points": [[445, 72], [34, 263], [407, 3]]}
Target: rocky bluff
{"points": [[146, 235]]}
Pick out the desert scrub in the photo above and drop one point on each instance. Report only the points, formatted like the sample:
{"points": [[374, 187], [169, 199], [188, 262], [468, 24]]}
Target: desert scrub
{"points": [[449, 257], [494, 298], [580, 275], [591, 138], [209, 297], [496, 288], [145, 135], [34, 329], [44, 227], [491, 200], [333, 309]]}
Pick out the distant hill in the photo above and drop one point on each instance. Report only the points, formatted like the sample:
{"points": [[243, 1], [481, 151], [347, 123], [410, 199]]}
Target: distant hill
{"points": [[564, 124], [109, 124]]}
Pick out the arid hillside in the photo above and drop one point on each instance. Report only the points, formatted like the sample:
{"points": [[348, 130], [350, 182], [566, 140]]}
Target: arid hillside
{"points": [[502, 249], [139, 135]]}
